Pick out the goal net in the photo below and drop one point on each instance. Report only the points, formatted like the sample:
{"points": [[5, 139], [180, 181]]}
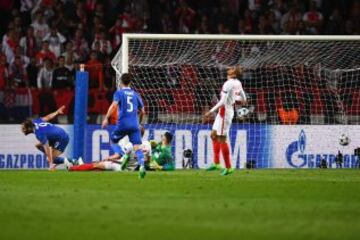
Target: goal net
{"points": [[289, 80]]}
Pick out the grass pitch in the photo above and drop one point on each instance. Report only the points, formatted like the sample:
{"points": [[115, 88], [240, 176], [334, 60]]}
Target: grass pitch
{"points": [[260, 204]]}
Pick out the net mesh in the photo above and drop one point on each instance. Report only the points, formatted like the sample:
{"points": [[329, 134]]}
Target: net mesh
{"points": [[287, 82]]}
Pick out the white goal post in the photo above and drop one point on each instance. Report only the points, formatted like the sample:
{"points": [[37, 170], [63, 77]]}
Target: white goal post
{"points": [[307, 81]]}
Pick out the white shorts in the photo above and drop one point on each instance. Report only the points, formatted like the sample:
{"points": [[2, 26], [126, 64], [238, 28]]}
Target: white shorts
{"points": [[113, 166], [222, 124]]}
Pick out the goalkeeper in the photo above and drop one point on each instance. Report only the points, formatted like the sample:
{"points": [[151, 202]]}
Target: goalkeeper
{"points": [[161, 158]]}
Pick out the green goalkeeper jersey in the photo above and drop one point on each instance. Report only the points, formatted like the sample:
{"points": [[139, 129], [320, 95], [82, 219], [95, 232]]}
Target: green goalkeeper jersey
{"points": [[162, 155]]}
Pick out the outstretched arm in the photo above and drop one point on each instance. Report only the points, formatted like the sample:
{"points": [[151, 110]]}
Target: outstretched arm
{"points": [[50, 116], [110, 111]]}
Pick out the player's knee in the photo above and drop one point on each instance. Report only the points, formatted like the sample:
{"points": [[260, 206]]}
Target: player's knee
{"points": [[222, 139], [213, 135]]}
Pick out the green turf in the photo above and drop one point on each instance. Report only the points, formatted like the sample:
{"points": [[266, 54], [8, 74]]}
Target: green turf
{"points": [[261, 204]]}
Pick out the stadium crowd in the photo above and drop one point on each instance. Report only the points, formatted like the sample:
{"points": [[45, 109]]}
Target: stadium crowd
{"points": [[43, 41]]}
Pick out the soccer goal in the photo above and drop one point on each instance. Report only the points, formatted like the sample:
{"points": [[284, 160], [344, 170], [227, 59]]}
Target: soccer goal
{"points": [[300, 89]]}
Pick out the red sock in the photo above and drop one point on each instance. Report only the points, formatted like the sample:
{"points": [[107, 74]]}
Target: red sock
{"points": [[83, 167], [216, 149], [226, 154]]}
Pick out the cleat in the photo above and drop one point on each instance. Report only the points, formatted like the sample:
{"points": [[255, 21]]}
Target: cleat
{"points": [[142, 172], [124, 162], [213, 167], [67, 163], [226, 171]]}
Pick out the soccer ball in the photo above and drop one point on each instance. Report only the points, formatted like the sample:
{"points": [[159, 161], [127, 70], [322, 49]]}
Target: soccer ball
{"points": [[242, 112], [128, 148], [344, 140]]}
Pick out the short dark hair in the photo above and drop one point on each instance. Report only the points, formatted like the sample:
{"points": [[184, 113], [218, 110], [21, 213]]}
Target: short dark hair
{"points": [[168, 136], [28, 123], [126, 79]]}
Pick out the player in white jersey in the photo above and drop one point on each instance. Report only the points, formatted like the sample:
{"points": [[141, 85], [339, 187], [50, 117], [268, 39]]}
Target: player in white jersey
{"points": [[231, 92]]}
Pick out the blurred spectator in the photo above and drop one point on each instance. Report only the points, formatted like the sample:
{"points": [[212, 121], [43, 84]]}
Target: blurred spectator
{"points": [[17, 73], [127, 20], [10, 42], [61, 76], [28, 43], [69, 64], [291, 19], [80, 46], [109, 76], [335, 24], [100, 55], [203, 26], [45, 75], [249, 22], [105, 45], [116, 32], [56, 41], [241, 29], [70, 53], [4, 74], [354, 17], [273, 22], [32, 71], [41, 28], [185, 16], [302, 29], [45, 53], [313, 19], [167, 24], [24, 59], [95, 69], [264, 27]]}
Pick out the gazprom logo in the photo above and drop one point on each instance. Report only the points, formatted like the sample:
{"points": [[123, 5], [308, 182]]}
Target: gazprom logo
{"points": [[296, 146], [302, 141]]}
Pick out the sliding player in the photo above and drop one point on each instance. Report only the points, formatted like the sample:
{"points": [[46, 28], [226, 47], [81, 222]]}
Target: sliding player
{"points": [[231, 92], [129, 104], [52, 139]]}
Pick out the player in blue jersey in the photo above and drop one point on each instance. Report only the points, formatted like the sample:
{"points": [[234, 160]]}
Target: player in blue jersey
{"points": [[130, 111], [52, 139]]}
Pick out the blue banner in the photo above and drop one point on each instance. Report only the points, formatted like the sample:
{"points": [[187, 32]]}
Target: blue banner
{"points": [[247, 142]]}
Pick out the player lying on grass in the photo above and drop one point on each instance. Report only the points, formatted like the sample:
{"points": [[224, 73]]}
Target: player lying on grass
{"points": [[113, 162], [52, 139], [129, 104], [157, 157], [231, 92]]}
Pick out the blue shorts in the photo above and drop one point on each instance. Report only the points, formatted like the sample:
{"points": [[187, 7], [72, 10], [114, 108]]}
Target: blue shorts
{"points": [[60, 144], [133, 134]]}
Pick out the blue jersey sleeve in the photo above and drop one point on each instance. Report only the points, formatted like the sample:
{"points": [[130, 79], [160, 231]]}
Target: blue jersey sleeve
{"points": [[140, 102], [117, 96]]}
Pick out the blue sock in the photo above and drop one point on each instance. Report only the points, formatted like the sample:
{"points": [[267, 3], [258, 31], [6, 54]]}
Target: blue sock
{"points": [[117, 149], [140, 157], [58, 160]]}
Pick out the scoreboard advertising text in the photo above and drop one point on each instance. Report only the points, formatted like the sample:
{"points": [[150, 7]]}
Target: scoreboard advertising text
{"points": [[268, 146]]}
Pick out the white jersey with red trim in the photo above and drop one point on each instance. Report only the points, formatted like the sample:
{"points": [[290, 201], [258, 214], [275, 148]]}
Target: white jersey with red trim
{"points": [[231, 92], [235, 92]]}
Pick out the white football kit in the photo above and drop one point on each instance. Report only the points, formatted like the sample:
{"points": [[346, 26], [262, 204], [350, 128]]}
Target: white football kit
{"points": [[231, 92]]}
